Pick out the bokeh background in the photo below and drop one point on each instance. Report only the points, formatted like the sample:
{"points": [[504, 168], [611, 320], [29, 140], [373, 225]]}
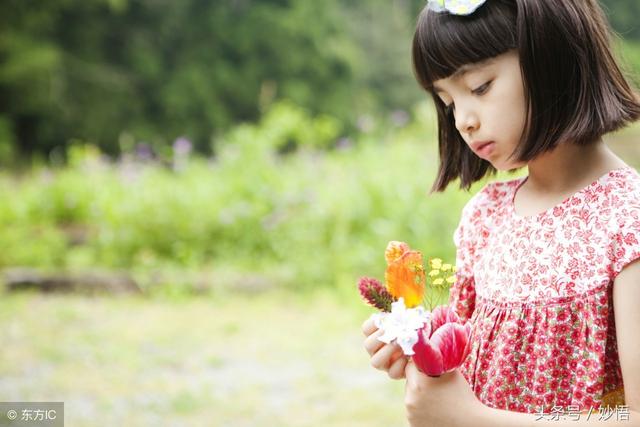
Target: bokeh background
{"points": [[189, 191]]}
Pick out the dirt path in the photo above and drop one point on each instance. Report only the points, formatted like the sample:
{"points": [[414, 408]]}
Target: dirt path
{"points": [[269, 361]]}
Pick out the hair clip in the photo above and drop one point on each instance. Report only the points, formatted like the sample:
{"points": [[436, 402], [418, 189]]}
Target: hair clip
{"points": [[455, 7]]}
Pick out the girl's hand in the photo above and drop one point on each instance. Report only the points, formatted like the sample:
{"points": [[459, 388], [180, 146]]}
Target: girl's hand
{"points": [[445, 401], [385, 357]]}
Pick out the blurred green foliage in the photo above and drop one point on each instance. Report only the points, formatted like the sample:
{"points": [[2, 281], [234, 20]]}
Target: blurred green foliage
{"points": [[155, 71], [623, 16], [303, 217], [112, 71]]}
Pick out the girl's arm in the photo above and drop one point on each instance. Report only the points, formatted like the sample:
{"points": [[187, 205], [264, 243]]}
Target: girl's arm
{"points": [[626, 308]]}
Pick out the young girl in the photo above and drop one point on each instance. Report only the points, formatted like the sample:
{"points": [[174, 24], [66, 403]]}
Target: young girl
{"points": [[546, 271]]}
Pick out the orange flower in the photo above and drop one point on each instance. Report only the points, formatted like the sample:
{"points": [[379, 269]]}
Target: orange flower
{"points": [[405, 277], [395, 250]]}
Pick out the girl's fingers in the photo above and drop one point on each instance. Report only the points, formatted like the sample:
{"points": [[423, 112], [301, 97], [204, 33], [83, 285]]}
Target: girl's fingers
{"points": [[396, 370], [368, 327], [381, 359], [385, 357], [372, 344], [416, 380], [396, 355]]}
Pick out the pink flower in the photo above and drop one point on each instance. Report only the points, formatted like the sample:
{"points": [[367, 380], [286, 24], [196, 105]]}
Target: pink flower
{"points": [[443, 344]]}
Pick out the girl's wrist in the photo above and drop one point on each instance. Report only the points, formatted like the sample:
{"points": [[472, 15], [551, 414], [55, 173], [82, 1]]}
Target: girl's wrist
{"points": [[477, 414]]}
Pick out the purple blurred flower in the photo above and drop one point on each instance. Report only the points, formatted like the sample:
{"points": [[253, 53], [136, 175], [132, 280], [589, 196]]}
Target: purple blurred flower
{"points": [[344, 143], [182, 146], [144, 152], [181, 149], [365, 123], [399, 118]]}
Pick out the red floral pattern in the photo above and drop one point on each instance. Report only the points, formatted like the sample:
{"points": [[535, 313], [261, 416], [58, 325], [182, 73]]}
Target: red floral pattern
{"points": [[538, 292]]}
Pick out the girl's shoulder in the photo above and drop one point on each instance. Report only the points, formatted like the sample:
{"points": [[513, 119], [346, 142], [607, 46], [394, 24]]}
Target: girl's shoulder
{"points": [[495, 193], [621, 189], [624, 180], [490, 199]]}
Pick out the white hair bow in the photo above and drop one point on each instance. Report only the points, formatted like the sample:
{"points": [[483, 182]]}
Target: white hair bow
{"points": [[455, 7]]}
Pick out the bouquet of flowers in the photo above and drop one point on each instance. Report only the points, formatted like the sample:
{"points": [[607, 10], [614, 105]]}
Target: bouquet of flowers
{"points": [[435, 337]]}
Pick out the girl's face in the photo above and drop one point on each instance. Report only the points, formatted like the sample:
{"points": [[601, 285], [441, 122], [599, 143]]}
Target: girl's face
{"points": [[487, 101]]}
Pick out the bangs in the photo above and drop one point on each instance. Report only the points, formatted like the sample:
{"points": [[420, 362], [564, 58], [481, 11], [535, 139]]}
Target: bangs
{"points": [[444, 42]]}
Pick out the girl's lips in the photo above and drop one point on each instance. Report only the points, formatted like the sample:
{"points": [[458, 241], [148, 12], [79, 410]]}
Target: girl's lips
{"points": [[485, 150]]}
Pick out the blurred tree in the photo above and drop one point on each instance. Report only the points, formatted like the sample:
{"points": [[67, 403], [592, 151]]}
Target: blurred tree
{"points": [[623, 16], [382, 32], [120, 71], [160, 69]]}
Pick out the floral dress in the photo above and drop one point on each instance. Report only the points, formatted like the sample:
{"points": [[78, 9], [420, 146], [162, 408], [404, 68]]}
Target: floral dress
{"points": [[538, 292]]}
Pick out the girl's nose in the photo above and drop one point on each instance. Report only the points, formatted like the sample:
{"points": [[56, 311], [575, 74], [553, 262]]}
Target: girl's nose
{"points": [[466, 121]]}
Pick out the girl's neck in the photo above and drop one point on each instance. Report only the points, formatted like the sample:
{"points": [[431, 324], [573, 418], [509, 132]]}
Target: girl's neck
{"points": [[570, 166]]}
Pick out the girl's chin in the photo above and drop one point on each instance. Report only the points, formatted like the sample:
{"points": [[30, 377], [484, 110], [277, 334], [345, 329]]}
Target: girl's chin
{"points": [[511, 167]]}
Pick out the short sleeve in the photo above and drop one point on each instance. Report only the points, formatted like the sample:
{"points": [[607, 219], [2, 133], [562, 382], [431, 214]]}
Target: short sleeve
{"points": [[462, 295], [625, 242]]}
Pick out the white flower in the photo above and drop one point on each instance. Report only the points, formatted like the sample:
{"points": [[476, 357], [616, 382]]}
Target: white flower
{"points": [[402, 325], [455, 7]]}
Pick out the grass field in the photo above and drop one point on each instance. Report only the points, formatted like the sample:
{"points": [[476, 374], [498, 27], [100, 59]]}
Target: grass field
{"points": [[235, 360]]}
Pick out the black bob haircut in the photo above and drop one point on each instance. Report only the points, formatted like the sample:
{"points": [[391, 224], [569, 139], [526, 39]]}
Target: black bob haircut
{"points": [[574, 89]]}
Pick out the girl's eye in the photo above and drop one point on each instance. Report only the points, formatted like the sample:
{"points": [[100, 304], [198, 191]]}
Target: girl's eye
{"points": [[482, 89], [478, 91]]}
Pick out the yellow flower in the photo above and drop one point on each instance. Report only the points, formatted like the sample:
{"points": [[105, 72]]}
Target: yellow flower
{"points": [[395, 250], [405, 277], [438, 282], [446, 267], [436, 263], [451, 280], [434, 273]]}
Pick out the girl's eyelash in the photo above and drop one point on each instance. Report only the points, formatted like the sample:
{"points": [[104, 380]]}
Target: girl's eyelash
{"points": [[482, 89], [479, 91]]}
